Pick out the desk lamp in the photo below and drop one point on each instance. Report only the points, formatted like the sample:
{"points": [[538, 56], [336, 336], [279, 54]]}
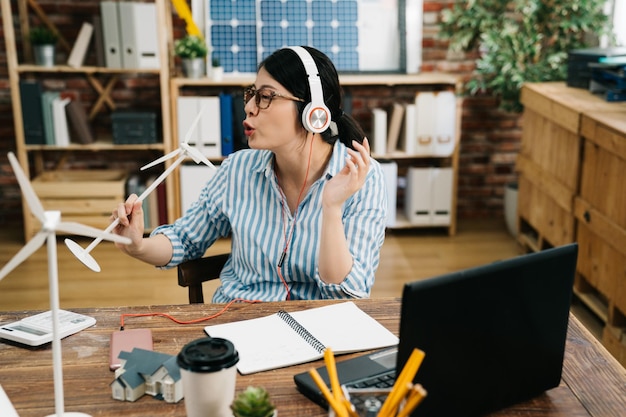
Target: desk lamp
{"points": [[51, 223], [182, 152]]}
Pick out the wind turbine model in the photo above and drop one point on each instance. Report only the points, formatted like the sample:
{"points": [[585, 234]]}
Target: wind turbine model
{"points": [[51, 223], [185, 150]]}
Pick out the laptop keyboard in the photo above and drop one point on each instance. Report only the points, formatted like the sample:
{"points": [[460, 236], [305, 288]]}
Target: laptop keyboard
{"points": [[385, 380]]}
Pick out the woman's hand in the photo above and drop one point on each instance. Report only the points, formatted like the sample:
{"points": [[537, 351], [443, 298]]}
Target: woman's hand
{"points": [[131, 225], [351, 177]]}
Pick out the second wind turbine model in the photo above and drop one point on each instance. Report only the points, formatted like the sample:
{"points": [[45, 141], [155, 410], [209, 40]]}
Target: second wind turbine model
{"points": [[185, 150]]}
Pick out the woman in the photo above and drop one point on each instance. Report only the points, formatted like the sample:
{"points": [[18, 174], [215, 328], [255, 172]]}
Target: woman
{"points": [[305, 211]]}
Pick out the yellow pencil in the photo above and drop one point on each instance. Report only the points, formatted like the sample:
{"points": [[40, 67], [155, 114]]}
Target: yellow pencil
{"points": [[331, 367], [400, 388], [416, 396], [337, 406]]}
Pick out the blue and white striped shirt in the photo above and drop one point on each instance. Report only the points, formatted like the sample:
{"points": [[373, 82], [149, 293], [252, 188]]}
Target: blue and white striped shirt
{"points": [[243, 200]]}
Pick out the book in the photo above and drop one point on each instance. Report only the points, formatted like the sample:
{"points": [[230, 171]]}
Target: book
{"points": [[32, 112], [79, 50], [61, 130], [47, 100], [226, 123], [396, 115], [79, 123], [379, 131], [284, 339]]}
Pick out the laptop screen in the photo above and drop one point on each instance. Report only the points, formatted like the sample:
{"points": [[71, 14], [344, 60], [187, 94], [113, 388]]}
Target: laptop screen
{"points": [[493, 335]]}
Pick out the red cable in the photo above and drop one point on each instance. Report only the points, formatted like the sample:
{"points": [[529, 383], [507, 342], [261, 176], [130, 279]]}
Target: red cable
{"points": [[175, 320]]}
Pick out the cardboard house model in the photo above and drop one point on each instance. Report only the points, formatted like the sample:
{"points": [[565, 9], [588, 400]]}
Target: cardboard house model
{"points": [[147, 372]]}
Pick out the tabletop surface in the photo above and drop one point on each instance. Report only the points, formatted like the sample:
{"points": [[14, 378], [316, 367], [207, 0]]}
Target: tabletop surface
{"points": [[593, 382]]}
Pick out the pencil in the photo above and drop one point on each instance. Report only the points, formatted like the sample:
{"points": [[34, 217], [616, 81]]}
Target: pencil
{"points": [[331, 367], [400, 387], [337, 406], [415, 398]]}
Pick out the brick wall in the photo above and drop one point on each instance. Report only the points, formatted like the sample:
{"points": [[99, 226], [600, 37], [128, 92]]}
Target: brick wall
{"points": [[489, 140]]}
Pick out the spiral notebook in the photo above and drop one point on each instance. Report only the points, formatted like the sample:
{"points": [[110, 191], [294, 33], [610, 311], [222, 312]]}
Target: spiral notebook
{"points": [[290, 338]]}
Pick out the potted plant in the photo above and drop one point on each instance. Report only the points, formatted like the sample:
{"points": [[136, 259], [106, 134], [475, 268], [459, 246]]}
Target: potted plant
{"points": [[217, 72], [44, 44], [253, 402], [192, 51], [520, 41]]}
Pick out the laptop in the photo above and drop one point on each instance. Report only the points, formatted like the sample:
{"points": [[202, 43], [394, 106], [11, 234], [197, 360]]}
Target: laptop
{"points": [[493, 335]]}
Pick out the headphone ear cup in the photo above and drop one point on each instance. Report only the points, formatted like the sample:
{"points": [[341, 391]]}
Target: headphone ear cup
{"points": [[316, 119]]}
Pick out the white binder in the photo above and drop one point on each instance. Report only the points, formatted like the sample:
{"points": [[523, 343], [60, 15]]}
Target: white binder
{"points": [[445, 123], [425, 108], [441, 196], [390, 171], [61, 130], [409, 141], [139, 35], [193, 178], [207, 137], [77, 55], [210, 139], [428, 197], [417, 197], [111, 34]]}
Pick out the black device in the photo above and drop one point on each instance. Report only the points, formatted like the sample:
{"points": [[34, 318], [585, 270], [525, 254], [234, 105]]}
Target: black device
{"points": [[493, 335]]}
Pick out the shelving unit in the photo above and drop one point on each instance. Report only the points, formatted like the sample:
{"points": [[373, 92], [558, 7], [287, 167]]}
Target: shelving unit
{"points": [[433, 81], [102, 81]]}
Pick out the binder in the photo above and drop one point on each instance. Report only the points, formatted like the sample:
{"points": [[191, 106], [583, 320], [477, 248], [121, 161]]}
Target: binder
{"points": [[417, 200], [425, 108], [187, 108], [210, 136], [226, 123], [32, 114], [193, 178], [445, 123], [111, 34], [441, 196], [395, 118], [77, 55], [139, 37], [379, 131], [47, 100], [239, 115], [79, 123], [390, 172]]}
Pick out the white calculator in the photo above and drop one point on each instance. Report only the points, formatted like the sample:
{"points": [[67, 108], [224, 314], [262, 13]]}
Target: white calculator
{"points": [[37, 330]]}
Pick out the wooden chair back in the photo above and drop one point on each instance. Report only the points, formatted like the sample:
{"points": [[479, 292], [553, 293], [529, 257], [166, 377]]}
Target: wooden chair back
{"points": [[193, 273]]}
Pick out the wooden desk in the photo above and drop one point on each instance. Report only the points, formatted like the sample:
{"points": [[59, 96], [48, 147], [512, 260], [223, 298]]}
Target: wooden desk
{"points": [[593, 384]]}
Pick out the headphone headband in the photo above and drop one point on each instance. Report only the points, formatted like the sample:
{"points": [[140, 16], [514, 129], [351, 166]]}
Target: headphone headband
{"points": [[316, 116]]}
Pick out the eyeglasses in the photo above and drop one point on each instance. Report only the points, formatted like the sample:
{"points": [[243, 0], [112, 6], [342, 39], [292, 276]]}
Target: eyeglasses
{"points": [[263, 97]]}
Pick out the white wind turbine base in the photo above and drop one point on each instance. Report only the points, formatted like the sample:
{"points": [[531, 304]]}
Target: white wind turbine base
{"points": [[184, 151], [51, 223]]}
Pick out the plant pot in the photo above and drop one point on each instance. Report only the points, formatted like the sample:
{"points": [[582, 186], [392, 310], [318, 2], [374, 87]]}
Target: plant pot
{"points": [[193, 67], [44, 55], [510, 208], [217, 73]]}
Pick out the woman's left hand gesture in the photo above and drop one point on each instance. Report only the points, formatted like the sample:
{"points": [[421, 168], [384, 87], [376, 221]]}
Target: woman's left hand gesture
{"points": [[351, 177]]}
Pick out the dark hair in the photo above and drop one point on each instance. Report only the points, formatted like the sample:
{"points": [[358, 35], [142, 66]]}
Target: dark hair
{"points": [[285, 66]]}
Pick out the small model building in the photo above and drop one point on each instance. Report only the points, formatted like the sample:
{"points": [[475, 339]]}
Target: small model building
{"points": [[147, 372]]}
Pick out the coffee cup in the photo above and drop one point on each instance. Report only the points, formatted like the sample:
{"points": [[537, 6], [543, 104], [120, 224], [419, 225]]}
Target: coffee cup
{"points": [[208, 373]]}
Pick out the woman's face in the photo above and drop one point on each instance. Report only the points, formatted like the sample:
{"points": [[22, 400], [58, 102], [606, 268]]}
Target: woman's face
{"points": [[277, 126]]}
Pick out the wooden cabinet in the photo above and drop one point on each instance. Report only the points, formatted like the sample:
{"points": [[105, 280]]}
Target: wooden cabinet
{"points": [[429, 81], [34, 158], [572, 165]]}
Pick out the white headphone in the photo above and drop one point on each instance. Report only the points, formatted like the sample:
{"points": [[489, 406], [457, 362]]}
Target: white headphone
{"points": [[316, 116]]}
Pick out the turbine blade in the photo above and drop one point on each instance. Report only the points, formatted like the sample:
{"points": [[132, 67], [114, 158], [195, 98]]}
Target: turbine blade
{"points": [[82, 230], [27, 190], [161, 159], [192, 128], [198, 156], [28, 249]]}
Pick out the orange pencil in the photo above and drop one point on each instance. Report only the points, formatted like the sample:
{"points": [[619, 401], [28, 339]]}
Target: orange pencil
{"points": [[400, 387], [416, 396], [331, 367]]}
